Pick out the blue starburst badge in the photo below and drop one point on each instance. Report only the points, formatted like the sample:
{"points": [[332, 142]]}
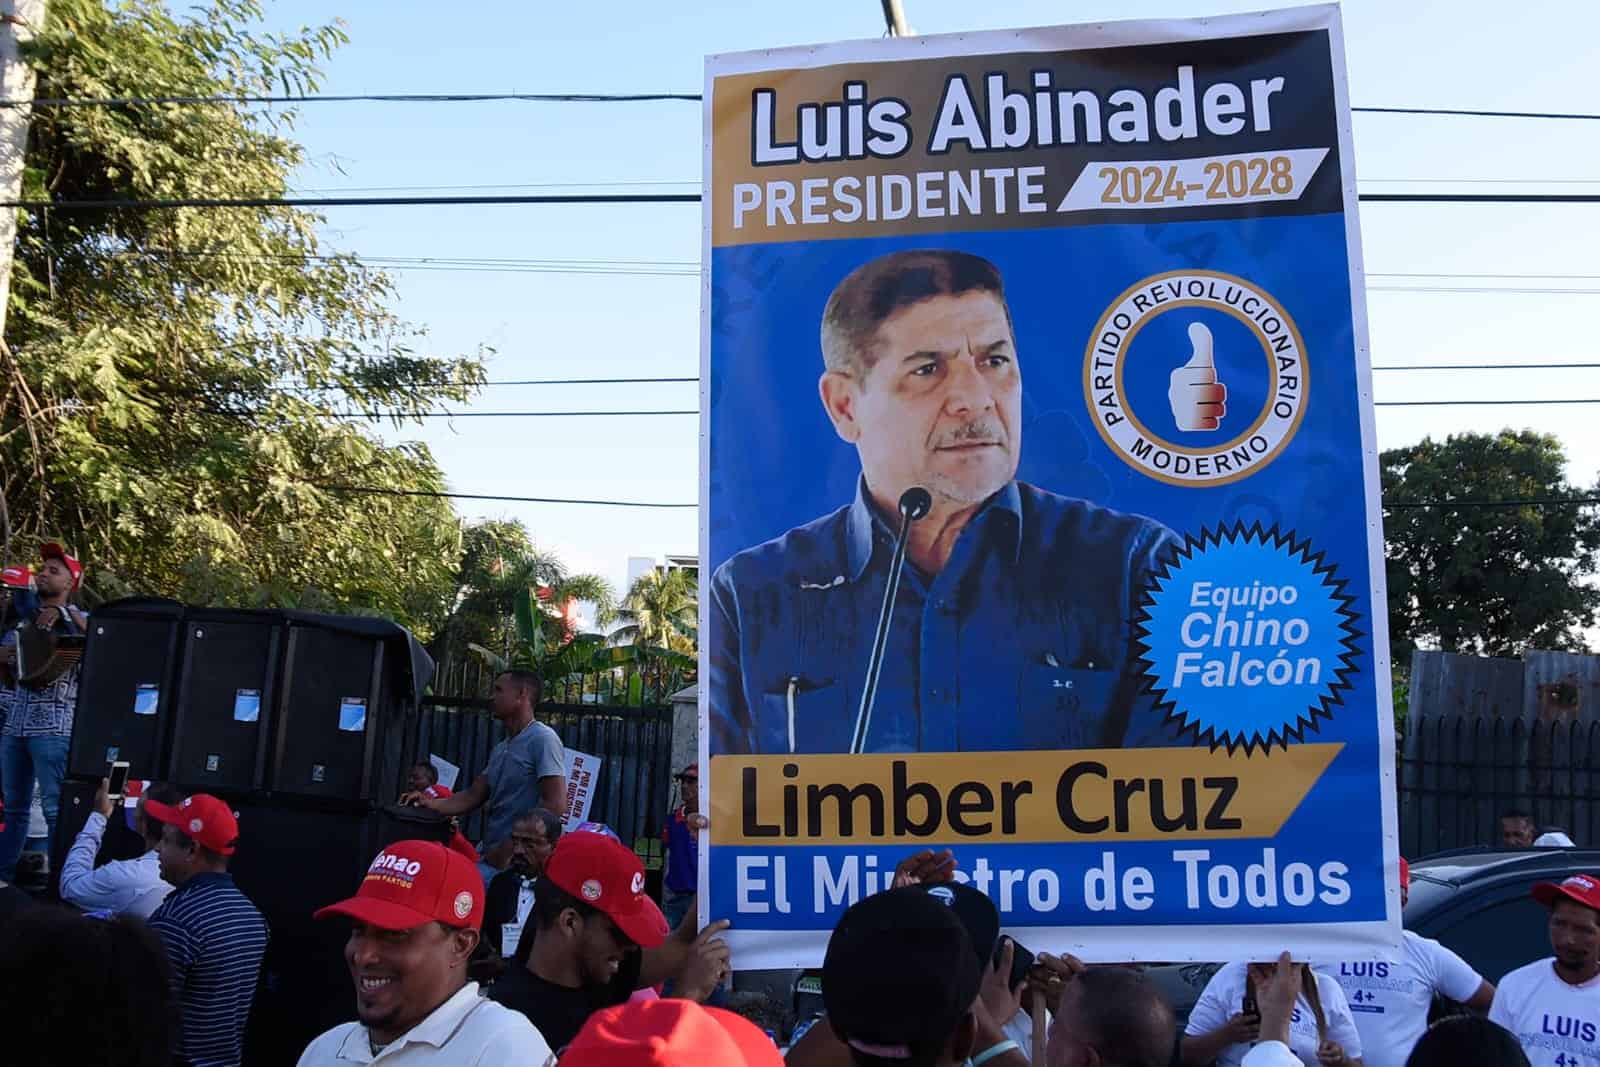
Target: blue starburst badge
{"points": [[1247, 638]]}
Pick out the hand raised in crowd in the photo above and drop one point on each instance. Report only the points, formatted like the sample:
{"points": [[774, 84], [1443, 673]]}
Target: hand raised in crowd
{"points": [[102, 798], [1275, 998], [999, 1001], [697, 822], [1049, 975], [416, 799], [925, 868], [708, 962]]}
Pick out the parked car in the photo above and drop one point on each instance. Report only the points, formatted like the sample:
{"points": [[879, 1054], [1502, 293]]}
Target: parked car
{"points": [[1474, 901]]}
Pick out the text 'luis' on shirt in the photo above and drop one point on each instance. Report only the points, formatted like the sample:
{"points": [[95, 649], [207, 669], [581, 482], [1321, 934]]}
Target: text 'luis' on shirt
{"points": [[1024, 640]]}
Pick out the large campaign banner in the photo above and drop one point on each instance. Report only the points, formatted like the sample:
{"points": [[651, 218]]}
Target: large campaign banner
{"points": [[1040, 496]]}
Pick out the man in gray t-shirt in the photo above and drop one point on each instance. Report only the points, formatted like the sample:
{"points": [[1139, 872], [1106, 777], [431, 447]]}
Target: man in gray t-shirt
{"points": [[527, 770]]}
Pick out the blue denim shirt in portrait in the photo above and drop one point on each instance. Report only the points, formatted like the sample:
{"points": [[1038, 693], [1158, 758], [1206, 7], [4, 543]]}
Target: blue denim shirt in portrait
{"points": [[1023, 641]]}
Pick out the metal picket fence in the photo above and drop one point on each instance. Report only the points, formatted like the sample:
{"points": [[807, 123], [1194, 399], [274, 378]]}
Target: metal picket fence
{"points": [[1458, 773], [634, 789]]}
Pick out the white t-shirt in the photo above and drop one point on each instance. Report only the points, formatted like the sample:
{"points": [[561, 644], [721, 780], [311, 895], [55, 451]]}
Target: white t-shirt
{"points": [[1390, 1001], [1019, 1028], [1557, 1023], [465, 1031], [1223, 998]]}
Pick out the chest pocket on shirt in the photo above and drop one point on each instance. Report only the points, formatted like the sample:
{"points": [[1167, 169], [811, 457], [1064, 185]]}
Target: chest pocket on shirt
{"points": [[1063, 707], [806, 717]]}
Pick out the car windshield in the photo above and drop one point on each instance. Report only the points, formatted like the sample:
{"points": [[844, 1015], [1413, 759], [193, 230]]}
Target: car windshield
{"points": [[1426, 896]]}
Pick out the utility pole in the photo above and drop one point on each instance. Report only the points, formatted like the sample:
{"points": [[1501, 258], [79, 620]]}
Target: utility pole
{"points": [[19, 21], [894, 16]]}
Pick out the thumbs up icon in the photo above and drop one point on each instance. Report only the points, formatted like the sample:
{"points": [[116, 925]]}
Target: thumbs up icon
{"points": [[1197, 398]]}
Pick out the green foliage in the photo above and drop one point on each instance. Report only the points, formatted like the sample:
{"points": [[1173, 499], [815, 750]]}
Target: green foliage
{"points": [[585, 665], [1487, 580], [661, 609], [502, 574], [165, 401]]}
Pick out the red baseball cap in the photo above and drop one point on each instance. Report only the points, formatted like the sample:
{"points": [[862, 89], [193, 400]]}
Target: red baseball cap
{"points": [[411, 883], [1584, 888], [17, 577], [606, 874], [669, 1032], [203, 817], [53, 550]]}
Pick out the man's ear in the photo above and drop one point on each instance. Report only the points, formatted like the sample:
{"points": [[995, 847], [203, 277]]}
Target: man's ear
{"points": [[839, 393], [463, 941], [964, 1041]]}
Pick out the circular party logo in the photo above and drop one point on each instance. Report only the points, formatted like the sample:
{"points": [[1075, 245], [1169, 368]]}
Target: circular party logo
{"points": [[1196, 378]]}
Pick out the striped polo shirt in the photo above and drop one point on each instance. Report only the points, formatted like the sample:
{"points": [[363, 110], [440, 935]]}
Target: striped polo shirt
{"points": [[215, 939]]}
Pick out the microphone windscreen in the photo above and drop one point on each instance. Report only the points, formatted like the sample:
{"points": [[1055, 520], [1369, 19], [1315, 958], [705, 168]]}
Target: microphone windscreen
{"points": [[915, 502]]}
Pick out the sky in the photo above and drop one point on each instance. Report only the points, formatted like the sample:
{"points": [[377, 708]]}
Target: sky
{"points": [[1401, 53]]}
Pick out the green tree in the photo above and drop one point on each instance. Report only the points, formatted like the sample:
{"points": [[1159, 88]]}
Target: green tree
{"points": [[508, 599], [661, 609], [1488, 580], [173, 382]]}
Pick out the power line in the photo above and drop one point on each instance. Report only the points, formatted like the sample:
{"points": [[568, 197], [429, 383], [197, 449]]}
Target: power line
{"points": [[1466, 113], [1584, 501], [1532, 502], [1513, 277], [498, 382], [478, 414], [1521, 290], [695, 182], [1484, 366], [1468, 181], [1480, 198], [590, 381], [408, 415], [355, 201], [650, 198], [630, 184], [346, 98], [609, 98], [1477, 403], [370, 490], [691, 268]]}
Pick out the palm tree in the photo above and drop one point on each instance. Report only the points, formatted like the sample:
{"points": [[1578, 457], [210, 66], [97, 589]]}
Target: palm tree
{"points": [[490, 594], [661, 609]]}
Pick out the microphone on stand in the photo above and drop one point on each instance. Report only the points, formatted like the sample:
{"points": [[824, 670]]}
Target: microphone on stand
{"points": [[914, 504]]}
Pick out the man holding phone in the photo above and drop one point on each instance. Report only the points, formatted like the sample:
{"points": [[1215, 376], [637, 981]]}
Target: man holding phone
{"points": [[131, 886]]}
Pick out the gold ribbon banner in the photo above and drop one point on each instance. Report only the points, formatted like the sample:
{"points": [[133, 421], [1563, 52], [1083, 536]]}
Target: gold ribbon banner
{"points": [[1150, 794]]}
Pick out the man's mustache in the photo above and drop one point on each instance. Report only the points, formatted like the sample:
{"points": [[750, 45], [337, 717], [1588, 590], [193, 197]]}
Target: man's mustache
{"points": [[976, 432]]}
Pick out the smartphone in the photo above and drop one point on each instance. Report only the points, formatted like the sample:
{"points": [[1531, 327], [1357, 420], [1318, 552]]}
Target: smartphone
{"points": [[1021, 960], [119, 780]]}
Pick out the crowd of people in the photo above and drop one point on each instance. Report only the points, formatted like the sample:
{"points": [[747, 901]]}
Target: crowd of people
{"points": [[538, 944], [918, 975]]}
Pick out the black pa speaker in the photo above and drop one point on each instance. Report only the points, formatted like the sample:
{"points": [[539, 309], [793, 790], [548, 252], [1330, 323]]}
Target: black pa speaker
{"points": [[338, 733], [126, 688], [225, 699]]}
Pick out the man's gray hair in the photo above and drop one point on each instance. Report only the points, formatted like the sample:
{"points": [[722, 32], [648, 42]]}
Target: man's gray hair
{"points": [[1123, 1016]]}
